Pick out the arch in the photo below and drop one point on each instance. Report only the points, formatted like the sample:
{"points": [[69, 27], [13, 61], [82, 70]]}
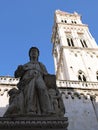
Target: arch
{"points": [[81, 76]]}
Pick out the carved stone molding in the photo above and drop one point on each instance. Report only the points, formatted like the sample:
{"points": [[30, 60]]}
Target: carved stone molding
{"points": [[32, 123]]}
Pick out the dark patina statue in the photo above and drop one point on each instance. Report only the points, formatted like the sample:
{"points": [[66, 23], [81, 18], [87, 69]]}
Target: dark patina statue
{"points": [[36, 92]]}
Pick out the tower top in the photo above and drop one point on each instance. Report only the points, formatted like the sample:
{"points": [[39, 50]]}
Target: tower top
{"points": [[66, 13], [68, 18]]}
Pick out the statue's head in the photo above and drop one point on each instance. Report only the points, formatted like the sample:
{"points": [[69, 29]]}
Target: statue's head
{"points": [[34, 52]]}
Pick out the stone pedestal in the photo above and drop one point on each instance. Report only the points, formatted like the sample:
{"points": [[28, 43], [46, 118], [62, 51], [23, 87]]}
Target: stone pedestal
{"points": [[33, 123]]}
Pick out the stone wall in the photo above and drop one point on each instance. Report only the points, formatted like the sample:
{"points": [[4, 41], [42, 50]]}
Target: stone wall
{"points": [[3, 103], [6, 83], [81, 110]]}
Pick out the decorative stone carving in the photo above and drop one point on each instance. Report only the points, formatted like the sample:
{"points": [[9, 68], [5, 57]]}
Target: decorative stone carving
{"points": [[32, 123], [16, 103]]}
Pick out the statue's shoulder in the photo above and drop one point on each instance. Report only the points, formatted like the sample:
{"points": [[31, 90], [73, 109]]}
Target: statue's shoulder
{"points": [[26, 64], [42, 66], [40, 63]]}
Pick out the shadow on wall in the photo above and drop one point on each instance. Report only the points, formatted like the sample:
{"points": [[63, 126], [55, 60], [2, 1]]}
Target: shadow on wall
{"points": [[94, 101], [81, 110], [2, 110]]}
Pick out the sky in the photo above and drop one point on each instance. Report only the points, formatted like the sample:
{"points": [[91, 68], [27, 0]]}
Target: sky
{"points": [[27, 23]]}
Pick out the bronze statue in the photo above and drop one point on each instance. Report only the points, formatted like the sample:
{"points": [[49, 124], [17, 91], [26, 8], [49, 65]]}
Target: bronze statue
{"points": [[38, 96]]}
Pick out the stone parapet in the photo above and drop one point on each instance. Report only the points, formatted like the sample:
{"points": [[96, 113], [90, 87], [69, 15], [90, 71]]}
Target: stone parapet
{"points": [[33, 123]]}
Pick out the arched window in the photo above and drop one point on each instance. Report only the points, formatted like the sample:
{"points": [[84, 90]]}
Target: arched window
{"points": [[82, 43], [85, 43], [81, 76], [82, 40], [97, 75], [72, 42], [69, 39]]}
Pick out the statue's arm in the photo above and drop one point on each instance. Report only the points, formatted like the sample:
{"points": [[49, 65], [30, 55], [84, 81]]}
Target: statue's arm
{"points": [[19, 72], [44, 70]]}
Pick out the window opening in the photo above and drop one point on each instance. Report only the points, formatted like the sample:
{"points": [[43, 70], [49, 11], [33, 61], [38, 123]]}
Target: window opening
{"points": [[72, 42], [97, 75], [69, 39], [82, 40], [81, 76], [65, 21], [82, 43], [85, 43]]}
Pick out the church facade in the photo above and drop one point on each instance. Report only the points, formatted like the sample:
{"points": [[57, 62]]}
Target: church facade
{"points": [[75, 54]]}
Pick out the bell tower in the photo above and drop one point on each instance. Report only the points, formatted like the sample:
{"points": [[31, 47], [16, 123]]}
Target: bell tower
{"points": [[75, 54], [75, 51]]}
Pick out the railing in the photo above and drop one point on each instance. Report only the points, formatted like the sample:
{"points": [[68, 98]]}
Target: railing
{"points": [[60, 83], [77, 84]]}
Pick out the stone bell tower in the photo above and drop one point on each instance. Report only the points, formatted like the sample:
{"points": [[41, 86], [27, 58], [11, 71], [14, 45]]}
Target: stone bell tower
{"points": [[75, 55]]}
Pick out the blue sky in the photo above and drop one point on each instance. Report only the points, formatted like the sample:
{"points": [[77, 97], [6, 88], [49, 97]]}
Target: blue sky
{"points": [[27, 23]]}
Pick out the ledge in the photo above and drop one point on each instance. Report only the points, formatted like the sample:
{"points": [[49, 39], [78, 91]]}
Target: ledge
{"points": [[33, 123]]}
